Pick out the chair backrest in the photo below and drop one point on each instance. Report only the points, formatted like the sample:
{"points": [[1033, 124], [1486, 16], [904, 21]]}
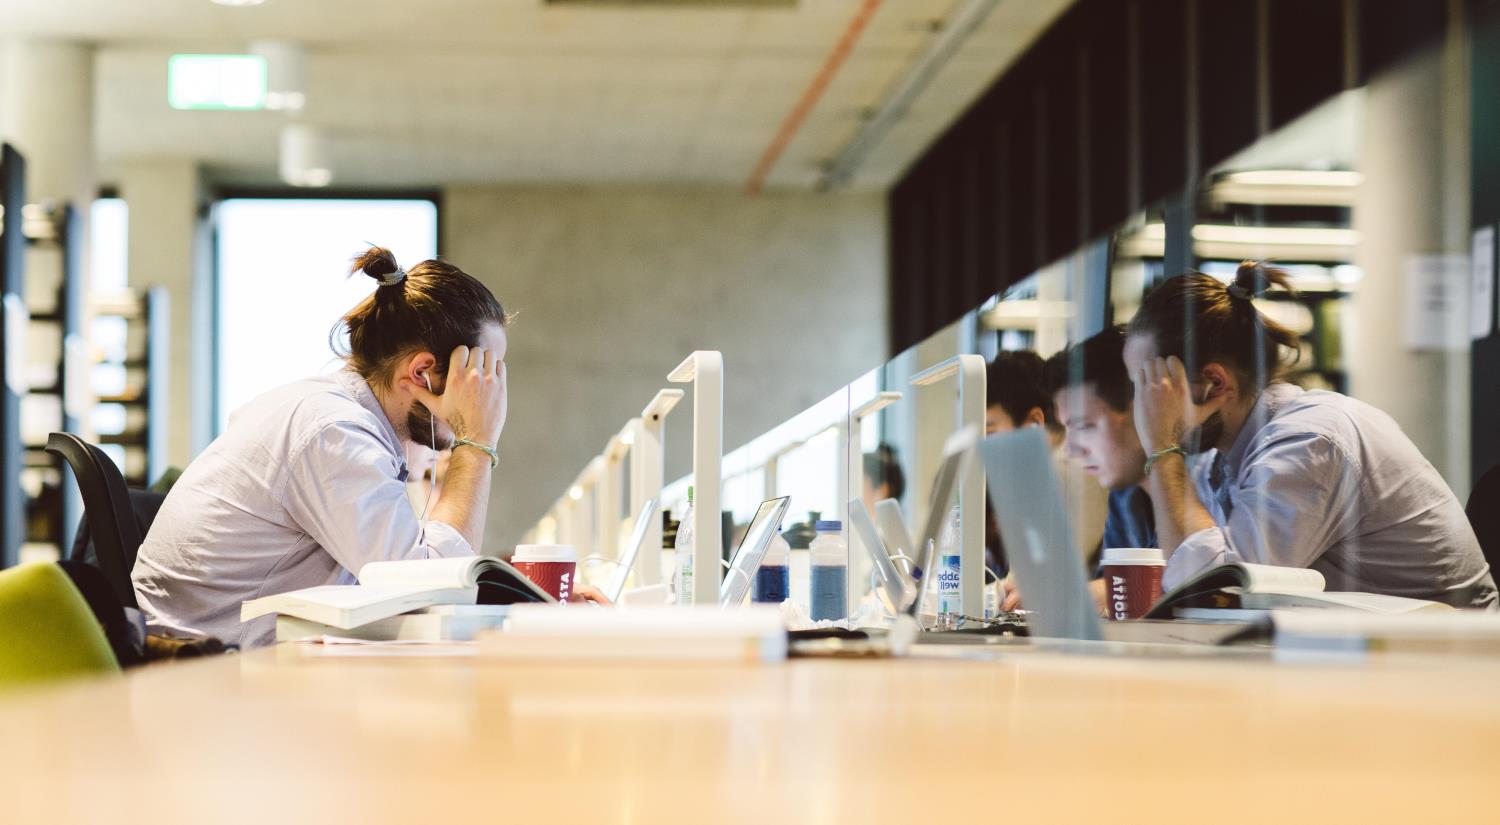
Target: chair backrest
{"points": [[106, 507], [1484, 516], [47, 631]]}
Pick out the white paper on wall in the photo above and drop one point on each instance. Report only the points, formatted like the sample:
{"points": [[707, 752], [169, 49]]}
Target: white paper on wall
{"points": [[17, 322], [1482, 289], [1437, 296], [77, 395]]}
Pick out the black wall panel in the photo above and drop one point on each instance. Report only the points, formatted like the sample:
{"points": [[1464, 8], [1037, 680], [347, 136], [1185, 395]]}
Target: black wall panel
{"points": [[1485, 206], [1104, 120], [1389, 28], [1162, 68], [1046, 159], [1228, 51], [1310, 55]]}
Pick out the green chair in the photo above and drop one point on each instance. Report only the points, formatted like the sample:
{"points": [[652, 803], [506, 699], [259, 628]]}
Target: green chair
{"points": [[47, 631]]}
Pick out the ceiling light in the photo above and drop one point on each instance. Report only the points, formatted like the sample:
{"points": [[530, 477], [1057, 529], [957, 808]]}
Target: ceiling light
{"points": [[304, 156], [216, 81], [238, 2], [286, 73]]}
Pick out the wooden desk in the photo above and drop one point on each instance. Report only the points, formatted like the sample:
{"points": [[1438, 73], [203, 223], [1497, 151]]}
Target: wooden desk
{"points": [[297, 734]]}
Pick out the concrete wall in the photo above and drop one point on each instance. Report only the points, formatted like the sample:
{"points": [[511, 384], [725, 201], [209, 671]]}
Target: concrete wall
{"points": [[614, 286], [168, 247], [1413, 202]]}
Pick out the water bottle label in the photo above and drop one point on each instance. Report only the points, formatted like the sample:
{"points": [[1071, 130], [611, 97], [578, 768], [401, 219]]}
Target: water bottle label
{"points": [[771, 584], [950, 585], [830, 592], [685, 586]]}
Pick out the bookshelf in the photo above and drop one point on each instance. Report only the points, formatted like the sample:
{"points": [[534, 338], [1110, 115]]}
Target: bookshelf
{"points": [[13, 332], [131, 329]]}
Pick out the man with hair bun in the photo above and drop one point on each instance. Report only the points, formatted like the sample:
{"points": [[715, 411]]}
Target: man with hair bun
{"points": [[307, 483], [1285, 476]]}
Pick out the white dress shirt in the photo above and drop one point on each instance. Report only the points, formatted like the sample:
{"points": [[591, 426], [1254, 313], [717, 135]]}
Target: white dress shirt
{"points": [[305, 486], [1320, 480]]}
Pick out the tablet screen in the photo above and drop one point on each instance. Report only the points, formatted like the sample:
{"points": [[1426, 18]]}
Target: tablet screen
{"points": [[631, 551], [752, 551]]}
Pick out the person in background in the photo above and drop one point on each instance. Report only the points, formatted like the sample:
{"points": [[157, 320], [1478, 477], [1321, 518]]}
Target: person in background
{"points": [[884, 477], [1287, 477], [307, 483], [1094, 399], [1016, 397]]}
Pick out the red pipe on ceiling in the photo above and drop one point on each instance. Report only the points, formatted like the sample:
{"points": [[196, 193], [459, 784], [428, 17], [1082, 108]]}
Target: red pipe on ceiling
{"points": [[810, 97]]}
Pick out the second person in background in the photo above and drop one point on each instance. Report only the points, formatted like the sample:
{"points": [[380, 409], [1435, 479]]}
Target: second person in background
{"points": [[1016, 397]]}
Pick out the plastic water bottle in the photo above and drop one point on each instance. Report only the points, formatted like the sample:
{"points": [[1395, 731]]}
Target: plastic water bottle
{"points": [[950, 567], [773, 581], [829, 584], [683, 553]]}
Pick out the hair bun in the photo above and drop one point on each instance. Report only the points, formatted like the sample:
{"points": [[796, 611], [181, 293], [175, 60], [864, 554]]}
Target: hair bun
{"points": [[378, 263], [1253, 279]]}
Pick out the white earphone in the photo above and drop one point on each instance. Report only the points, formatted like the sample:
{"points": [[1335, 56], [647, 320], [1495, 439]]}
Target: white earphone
{"points": [[432, 474]]}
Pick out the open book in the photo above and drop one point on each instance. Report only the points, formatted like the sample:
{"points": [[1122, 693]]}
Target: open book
{"points": [[1242, 585], [390, 588]]}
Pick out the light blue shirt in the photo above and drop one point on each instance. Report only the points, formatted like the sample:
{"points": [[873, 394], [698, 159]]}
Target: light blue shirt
{"points": [[1320, 480], [305, 486]]}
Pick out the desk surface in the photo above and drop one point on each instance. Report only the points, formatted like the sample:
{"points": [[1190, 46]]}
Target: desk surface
{"points": [[298, 733]]}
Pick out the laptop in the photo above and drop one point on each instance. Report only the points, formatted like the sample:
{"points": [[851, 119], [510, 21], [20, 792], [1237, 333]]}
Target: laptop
{"points": [[891, 585], [902, 591], [893, 529], [616, 584], [752, 551], [1039, 546]]}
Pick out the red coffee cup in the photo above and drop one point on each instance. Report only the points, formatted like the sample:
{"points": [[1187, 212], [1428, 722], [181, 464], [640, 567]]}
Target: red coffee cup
{"points": [[1132, 580], [551, 566]]}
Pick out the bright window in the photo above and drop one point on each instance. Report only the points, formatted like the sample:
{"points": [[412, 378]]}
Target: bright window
{"points": [[283, 282]]}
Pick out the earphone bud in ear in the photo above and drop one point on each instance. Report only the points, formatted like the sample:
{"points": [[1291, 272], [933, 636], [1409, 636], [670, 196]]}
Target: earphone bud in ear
{"points": [[428, 381]]}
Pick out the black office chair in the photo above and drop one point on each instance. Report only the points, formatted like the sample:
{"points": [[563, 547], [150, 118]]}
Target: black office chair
{"points": [[1484, 515], [106, 509]]}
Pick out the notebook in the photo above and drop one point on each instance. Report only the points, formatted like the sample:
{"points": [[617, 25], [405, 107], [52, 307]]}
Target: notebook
{"points": [[1241, 585], [390, 588]]}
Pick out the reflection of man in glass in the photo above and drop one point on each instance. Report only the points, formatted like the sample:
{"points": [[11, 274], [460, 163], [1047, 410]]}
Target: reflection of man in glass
{"points": [[1289, 477], [1094, 397], [884, 477], [1018, 397]]}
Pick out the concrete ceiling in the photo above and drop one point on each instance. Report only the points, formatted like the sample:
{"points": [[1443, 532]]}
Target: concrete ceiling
{"points": [[486, 91]]}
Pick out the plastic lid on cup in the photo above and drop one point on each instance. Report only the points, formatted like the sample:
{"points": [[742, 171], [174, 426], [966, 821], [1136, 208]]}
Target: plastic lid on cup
{"points": [[829, 526], [545, 552], [1132, 555]]}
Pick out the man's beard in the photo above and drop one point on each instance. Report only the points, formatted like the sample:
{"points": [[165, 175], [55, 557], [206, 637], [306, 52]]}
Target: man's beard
{"points": [[1205, 436], [420, 427]]}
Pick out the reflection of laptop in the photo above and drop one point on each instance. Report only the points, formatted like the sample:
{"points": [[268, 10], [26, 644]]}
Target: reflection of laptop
{"points": [[1040, 550], [893, 529], [616, 584], [891, 585], [902, 592], [752, 551], [957, 453]]}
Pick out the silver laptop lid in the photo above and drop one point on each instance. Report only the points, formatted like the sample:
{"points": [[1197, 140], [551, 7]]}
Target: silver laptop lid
{"points": [[752, 550], [1038, 538], [896, 535], [893, 587], [632, 551]]}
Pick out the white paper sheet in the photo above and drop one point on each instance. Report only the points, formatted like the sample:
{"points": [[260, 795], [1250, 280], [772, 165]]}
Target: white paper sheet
{"points": [[17, 322], [1482, 271], [1437, 289]]}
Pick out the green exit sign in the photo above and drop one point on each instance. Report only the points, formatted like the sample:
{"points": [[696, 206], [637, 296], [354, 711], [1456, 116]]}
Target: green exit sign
{"points": [[216, 81]]}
